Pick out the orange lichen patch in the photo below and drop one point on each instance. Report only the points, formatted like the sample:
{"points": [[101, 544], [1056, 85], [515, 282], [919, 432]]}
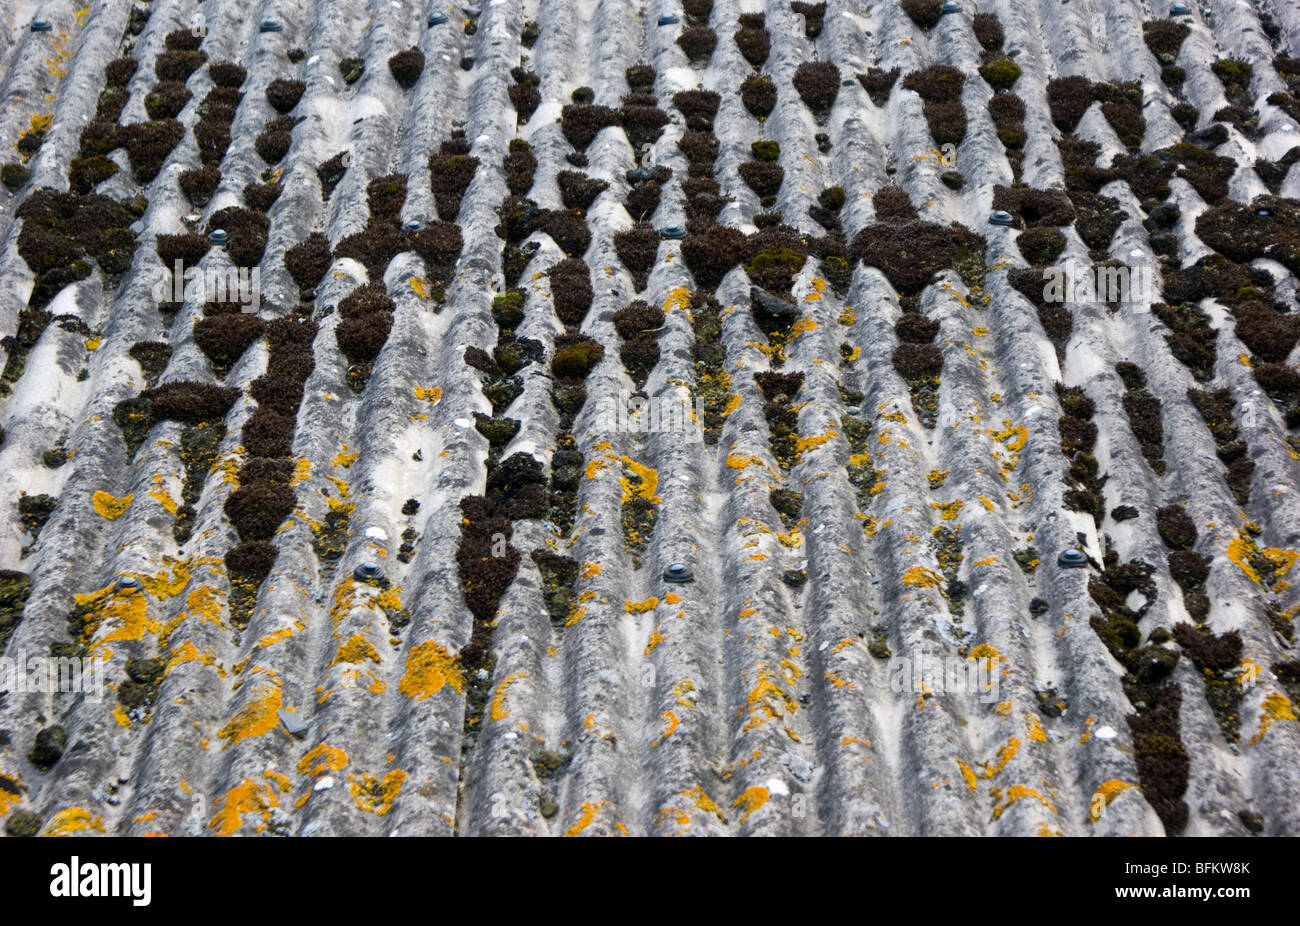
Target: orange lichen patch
{"points": [[672, 598], [968, 775], [376, 795], [120, 716], [428, 393], [987, 504], [671, 721], [678, 299], [871, 525], [1045, 830], [1106, 792], [73, 820], [838, 680], [579, 608], [733, 403], [356, 651], [1262, 566], [256, 718], [948, 510], [742, 461], [1035, 729], [641, 607], [586, 818], [684, 691], [987, 561], [301, 471], [110, 506], [595, 466], [1005, 755], [984, 651], [344, 458], [164, 498], [655, 639], [750, 801], [428, 668], [499, 711], [1020, 792], [646, 481], [922, 577], [704, 802], [7, 797], [125, 613], [815, 440], [1273, 708], [590, 570], [767, 699], [188, 652], [324, 758], [247, 797]]}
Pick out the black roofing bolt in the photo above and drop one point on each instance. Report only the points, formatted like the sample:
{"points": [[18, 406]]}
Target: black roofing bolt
{"points": [[437, 19], [673, 233], [1072, 559], [950, 7], [668, 19], [678, 573], [41, 25], [270, 25], [218, 236], [1001, 217], [367, 572]]}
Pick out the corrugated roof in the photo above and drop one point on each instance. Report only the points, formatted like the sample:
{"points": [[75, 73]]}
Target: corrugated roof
{"points": [[582, 293]]}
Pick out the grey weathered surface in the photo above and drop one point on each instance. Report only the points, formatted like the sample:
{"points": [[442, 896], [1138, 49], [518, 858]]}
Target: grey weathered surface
{"points": [[788, 724]]}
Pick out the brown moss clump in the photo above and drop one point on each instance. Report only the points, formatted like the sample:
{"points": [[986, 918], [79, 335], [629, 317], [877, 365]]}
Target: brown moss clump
{"points": [[893, 205], [258, 508], [227, 74], [758, 94], [753, 39], [251, 559], [581, 122], [178, 65], [1068, 99], [710, 251], [878, 84], [166, 99], [261, 196], [940, 86], [283, 95], [450, 176], [525, 95], [577, 190], [1041, 246], [1143, 411], [275, 140], [406, 67], [925, 13], [571, 291], [764, 178], [818, 84], [189, 402], [814, 17], [120, 70], [567, 229], [268, 433], [148, 144], [637, 248], [187, 248], [247, 231], [199, 184], [308, 261], [213, 138], [909, 255], [698, 107], [224, 338], [988, 31], [698, 43], [1164, 37], [520, 164]]}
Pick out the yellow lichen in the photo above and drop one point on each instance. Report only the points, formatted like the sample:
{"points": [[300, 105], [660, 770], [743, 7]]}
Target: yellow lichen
{"points": [[375, 795], [751, 800], [73, 820], [499, 711], [428, 668], [110, 506]]}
